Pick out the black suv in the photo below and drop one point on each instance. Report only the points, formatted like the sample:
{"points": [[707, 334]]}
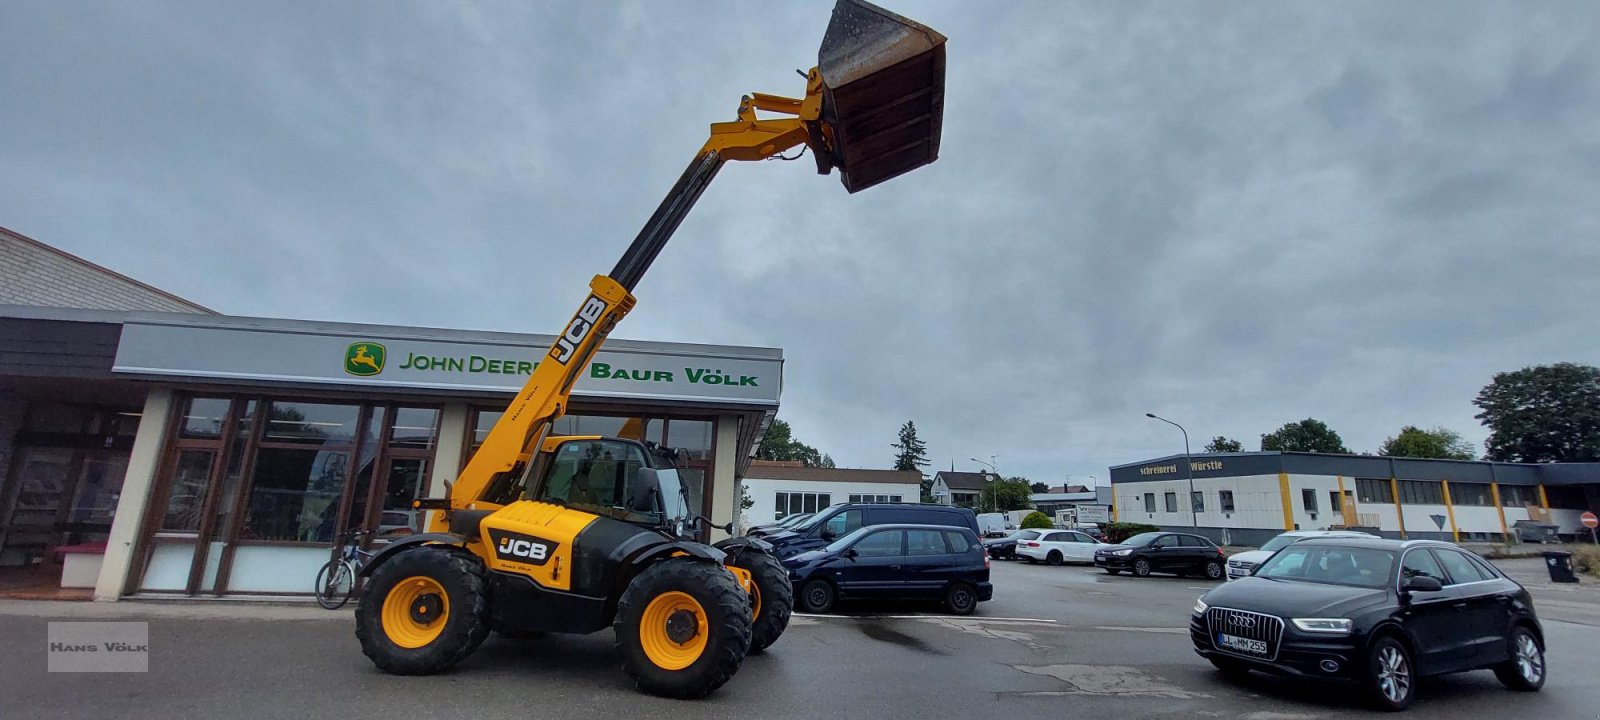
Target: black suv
{"points": [[1378, 613], [840, 520], [1177, 553]]}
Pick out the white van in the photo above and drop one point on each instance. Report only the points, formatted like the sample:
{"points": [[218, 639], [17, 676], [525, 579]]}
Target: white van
{"points": [[992, 525]]}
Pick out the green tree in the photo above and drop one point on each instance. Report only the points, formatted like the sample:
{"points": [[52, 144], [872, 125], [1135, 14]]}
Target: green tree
{"points": [[1002, 495], [779, 443], [1308, 435], [1547, 413], [1037, 519], [1039, 487], [1220, 444], [911, 453], [1414, 442]]}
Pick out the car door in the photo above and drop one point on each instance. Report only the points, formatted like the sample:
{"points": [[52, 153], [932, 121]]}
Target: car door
{"points": [[1435, 620], [1164, 553], [928, 563], [1080, 547], [1481, 593], [873, 566]]}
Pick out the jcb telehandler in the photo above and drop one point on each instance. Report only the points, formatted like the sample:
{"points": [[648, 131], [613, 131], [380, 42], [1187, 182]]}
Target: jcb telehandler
{"points": [[574, 534]]}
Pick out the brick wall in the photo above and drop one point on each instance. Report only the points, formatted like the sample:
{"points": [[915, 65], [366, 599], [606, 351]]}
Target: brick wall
{"points": [[32, 273]]}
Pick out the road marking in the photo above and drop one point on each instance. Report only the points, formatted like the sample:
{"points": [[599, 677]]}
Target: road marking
{"points": [[975, 618], [1162, 630]]}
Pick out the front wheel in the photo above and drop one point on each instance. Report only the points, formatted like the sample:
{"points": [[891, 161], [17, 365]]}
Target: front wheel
{"points": [[773, 599], [423, 611], [1141, 568], [335, 581], [683, 628], [1391, 677], [817, 596], [1525, 671]]}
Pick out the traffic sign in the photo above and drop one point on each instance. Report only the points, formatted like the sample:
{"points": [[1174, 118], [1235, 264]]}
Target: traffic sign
{"points": [[1589, 520]]}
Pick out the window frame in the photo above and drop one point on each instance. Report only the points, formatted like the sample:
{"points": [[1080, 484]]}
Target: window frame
{"points": [[1225, 501]]}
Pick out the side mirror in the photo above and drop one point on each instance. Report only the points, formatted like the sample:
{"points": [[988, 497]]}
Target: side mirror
{"points": [[1423, 583], [827, 533], [850, 553]]}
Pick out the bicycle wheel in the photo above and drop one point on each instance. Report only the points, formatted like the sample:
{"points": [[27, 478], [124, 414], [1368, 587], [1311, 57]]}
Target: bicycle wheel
{"points": [[334, 582]]}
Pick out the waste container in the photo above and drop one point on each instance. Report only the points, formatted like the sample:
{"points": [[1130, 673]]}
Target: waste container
{"points": [[1559, 563]]}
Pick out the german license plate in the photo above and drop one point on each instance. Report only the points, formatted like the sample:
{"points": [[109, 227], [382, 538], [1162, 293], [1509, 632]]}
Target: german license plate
{"points": [[1242, 645]]}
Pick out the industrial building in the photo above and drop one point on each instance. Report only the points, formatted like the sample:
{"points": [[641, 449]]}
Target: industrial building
{"points": [[1246, 498]]}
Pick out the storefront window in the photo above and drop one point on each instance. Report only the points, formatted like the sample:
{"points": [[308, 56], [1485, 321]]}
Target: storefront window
{"points": [[415, 428], [204, 418], [407, 477], [356, 517], [191, 476], [238, 446], [295, 495], [310, 423]]}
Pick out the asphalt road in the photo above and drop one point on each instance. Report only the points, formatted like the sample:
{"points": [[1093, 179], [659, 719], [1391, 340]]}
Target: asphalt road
{"points": [[1054, 641]]}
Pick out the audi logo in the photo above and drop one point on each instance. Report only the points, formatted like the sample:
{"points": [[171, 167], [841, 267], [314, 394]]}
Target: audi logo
{"points": [[1242, 621]]}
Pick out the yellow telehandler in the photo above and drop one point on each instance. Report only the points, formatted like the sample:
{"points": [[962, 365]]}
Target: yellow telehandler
{"points": [[543, 533]]}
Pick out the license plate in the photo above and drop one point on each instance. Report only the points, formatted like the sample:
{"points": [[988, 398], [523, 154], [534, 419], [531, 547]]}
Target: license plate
{"points": [[1243, 645]]}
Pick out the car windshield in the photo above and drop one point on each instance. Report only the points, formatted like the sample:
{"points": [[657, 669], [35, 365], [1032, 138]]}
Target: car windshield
{"points": [[793, 520], [848, 538], [1331, 565], [1279, 542], [1142, 539], [812, 521]]}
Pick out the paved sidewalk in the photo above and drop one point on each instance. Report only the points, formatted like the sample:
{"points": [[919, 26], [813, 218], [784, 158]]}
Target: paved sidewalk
{"points": [[161, 609]]}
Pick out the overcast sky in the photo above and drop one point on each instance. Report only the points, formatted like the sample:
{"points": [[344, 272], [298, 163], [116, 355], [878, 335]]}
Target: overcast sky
{"points": [[1234, 215]]}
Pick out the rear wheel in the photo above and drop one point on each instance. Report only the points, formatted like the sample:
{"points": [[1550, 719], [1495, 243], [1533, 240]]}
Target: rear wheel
{"points": [[1525, 670], [683, 628], [1141, 568], [1054, 558], [423, 611], [1213, 570], [773, 599], [1391, 678], [961, 599], [335, 581], [817, 596]]}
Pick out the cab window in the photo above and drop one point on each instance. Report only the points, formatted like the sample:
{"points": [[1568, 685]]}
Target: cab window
{"points": [[885, 543], [601, 475]]}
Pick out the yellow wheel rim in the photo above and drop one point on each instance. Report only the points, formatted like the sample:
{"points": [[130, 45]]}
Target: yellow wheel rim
{"points": [[415, 611], [673, 630], [755, 601]]}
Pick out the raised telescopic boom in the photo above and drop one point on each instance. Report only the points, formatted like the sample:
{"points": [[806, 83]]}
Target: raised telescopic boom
{"points": [[872, 108]]}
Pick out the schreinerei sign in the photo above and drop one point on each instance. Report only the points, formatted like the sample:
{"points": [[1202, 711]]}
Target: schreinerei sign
{"points": [[1177, 467], [280, 355]]}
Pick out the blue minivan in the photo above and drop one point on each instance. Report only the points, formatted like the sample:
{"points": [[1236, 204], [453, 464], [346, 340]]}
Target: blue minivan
{"points": [[837, 521], [927, 562]]}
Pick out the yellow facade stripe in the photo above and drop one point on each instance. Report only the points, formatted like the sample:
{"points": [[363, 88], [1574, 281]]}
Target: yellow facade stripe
{"points": [[1544, 500], [1494, 494], [1394, 491], [1288, 506], [1347, 506], [1450, 510]]}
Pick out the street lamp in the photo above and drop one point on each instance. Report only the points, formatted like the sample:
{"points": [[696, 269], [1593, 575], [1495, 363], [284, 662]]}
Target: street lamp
{"points": [[1188, 466], [992, 468]]}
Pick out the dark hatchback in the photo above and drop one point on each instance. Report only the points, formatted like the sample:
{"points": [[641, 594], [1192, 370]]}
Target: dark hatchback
{"points": [[1005, 548], [910, 562], [837, 521], [1379, 613], [1177, 553]]}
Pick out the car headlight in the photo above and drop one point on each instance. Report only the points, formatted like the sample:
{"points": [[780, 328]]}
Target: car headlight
{"points": [[1330, 626], [1200, 606], [1122, 553]]}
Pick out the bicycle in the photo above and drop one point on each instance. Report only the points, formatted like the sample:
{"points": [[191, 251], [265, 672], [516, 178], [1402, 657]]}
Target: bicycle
{"points": [[336, 581]]}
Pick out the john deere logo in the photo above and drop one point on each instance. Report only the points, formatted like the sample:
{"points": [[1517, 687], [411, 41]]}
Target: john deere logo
{"points": [[363, 359]]}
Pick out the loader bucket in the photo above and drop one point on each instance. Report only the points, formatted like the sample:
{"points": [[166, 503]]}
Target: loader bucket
{"points": [[883, 93]]}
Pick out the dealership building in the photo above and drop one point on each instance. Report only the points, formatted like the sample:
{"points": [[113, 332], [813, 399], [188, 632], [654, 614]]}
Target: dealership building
{"points": [[1246, 498], [152, 447]]}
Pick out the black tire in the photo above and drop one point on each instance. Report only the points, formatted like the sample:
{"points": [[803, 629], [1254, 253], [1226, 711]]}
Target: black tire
{"points": [[774, 592], [466, 610], [334, 585], [521, 635], [1031, 560], [1109, 571], [960, 599], [1526, 670], [726, 627], [1390, 676], [817, 596], [1054, 558], [1141, 568], [1214, 570], [1231, 669]]}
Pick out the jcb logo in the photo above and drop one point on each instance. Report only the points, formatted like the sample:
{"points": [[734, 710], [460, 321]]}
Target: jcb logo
{"points": [[578, 329], [516, 547]]}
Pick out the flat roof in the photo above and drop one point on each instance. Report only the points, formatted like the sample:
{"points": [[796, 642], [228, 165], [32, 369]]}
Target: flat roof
{"points": [[1215, 465]]}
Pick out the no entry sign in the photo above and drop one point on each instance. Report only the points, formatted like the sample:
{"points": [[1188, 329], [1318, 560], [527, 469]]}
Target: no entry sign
{"points": [[1589, 520]]}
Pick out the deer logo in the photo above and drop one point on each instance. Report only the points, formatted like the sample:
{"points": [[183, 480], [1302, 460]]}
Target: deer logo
{"points": [[364, 359]]}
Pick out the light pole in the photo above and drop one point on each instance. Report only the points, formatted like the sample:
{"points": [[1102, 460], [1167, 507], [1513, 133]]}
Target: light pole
{"points": [[992, 468], [1188, 466]]}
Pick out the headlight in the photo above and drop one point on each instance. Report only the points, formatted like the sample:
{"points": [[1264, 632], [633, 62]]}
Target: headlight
{"points": [[1330, 626], [1122, 553], [1200, 606]]}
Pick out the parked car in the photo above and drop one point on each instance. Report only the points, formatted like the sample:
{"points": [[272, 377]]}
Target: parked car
{"points": [[840, 520], [1091, 529], [1177, 553], [1005, 548], [1379, 613], [769, 528], [1059, 546], [935, 562], [994, 525], [1242, 564]]}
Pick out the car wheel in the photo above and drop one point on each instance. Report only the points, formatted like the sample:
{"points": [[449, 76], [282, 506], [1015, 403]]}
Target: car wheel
{"points": [[1231, 669], [1141, 568], [817, 596], [1214, 570], [1391, 677], [1054, 558], [1525, 671], [1032, 561], [961, 599], [1109, 571]]}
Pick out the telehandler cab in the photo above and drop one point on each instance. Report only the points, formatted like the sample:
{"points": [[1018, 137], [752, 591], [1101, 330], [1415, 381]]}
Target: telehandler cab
{"points": [[574, 534]]}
